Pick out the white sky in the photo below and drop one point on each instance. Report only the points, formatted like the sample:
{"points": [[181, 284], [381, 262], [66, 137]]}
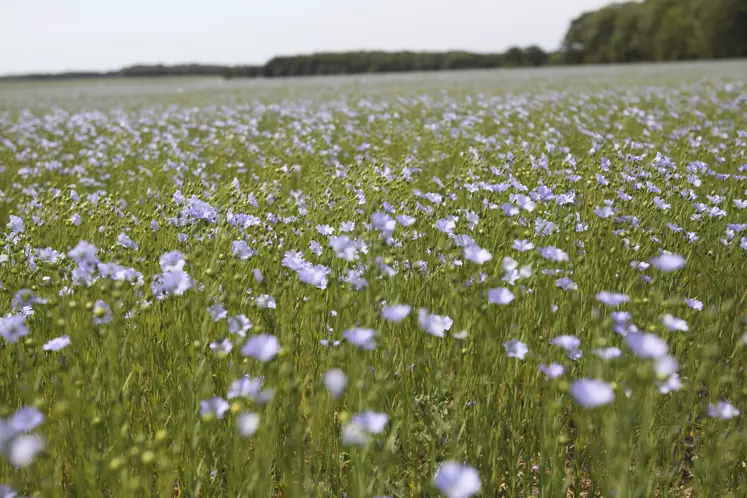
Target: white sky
{"points": [[59, 35]]}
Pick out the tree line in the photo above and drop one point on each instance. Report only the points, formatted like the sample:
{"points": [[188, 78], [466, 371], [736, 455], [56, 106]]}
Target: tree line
{"points": [[649, 30], [326, 64], [393, 62]]}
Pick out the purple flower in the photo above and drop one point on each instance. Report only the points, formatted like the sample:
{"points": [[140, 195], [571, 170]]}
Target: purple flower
{"points": [[607, 353], [57, 343], [171, 261], [668, 262], [435, 325], [265, 301], [396, 312], [217, 312], [476, 254], [262, 347], [175, 282], [26, 419], [612, 299], [335, 381], [315, 275], [371, 421], [591, 393], [84, 253], [553, 370], [247, 423], [344, 247], [245, 387], [361, 338], [126, 242], [500, 296], [239, 325], [224, 347], [24, 448], [102, 313], [674, 324], [213, 407], [723, 410], [553, 254], [522, 245], [515, 349], [455, 480], [646, 345], [241, 250], [694, 304], [383, 223], [566, 284]]}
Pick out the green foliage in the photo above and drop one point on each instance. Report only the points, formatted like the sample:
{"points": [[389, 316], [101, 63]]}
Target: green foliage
{"points": [[658, 30]]}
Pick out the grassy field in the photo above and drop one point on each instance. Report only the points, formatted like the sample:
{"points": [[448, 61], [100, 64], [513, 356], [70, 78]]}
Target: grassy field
{"points": [[498, 283]]}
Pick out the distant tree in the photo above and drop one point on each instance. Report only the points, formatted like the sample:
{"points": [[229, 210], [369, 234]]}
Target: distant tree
{"points": [[535, 56], [514, 57]]}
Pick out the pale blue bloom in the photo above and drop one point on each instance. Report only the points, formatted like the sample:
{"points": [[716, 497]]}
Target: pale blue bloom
{"points": [[241, 250], [432, 324], [553, 370], [245, 387], [515, 349], [15, 225], [335, 381], [664, 366], [217, 312], [694, 304], [352, 434], [611, 298], [24, 448], [607, 353], [265, 301], [102, 313], [405, 220], [126, 242], [456, 480], [84, 253], [175, 282], [591, 393], [500, 296], [396, 312], [522, 245], [674, 324], [57, 343], [239, 325], [371, 421], [668, 262], [723, 410], [315, 275], [671, 384], [646, 345], [247, 423], [361, 338], [262, 347], [171, 261], [553, 254], [26, 419], [223, 347], [213, 407], [476, 254], [383, 223]]}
